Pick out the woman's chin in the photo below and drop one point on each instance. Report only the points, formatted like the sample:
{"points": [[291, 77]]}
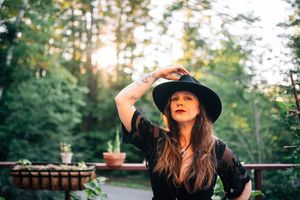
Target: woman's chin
{"points": [[183, 120]]}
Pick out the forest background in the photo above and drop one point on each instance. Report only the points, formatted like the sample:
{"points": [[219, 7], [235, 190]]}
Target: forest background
{"points": [[62, 62]]}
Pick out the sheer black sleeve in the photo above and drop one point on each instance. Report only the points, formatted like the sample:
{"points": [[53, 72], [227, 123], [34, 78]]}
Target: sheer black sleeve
{"points": [[143, 133], [232, 174]]}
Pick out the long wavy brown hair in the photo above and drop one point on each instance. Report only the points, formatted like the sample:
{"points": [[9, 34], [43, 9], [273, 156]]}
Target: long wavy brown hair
{"points": [[203, 166]]}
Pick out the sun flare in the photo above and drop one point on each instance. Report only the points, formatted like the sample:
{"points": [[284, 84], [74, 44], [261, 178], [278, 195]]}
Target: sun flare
{"points": [[105, 57]]}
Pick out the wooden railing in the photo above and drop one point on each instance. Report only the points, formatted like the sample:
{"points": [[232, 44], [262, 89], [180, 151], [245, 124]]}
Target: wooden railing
{"points": [[258, 168]]}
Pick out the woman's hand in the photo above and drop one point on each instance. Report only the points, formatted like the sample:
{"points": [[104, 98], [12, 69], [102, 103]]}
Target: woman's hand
{"points": [[171, 73]]}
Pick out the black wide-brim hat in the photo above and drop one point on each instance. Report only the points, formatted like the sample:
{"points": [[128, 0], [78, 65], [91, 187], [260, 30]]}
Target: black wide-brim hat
{"points": [[207, 97]]}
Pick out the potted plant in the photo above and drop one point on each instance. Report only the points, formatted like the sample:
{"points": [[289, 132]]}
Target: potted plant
{"points": [[114, 157], [66, 153]]}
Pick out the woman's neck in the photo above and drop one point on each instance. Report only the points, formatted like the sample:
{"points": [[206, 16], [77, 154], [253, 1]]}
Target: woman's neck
{"points": [[185, 130]]}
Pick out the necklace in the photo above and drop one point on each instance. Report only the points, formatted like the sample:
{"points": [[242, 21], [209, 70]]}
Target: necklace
{"points": [[183, 151]]}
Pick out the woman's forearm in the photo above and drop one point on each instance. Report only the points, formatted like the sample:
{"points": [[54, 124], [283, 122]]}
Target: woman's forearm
{"points": [[134, 91], [128, 96]]}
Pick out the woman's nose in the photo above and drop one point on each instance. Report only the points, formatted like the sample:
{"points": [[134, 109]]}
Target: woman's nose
{"points": [[179, 103]]}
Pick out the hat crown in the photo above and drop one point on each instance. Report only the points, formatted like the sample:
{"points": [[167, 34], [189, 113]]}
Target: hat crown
{"points": [[188, 78]]}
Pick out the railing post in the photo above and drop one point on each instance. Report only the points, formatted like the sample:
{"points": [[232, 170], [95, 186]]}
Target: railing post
{"points": [[67, 195], [258, 182]]}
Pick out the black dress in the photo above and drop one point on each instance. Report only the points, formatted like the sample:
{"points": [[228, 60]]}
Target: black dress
{"points": [[145, 136]]}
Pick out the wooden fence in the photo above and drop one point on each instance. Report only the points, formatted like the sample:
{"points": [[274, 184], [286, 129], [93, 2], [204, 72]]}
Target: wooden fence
{"points": [[257, 168]]}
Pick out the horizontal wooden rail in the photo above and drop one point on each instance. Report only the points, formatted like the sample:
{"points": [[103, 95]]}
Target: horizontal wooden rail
{"points": [[142, 167], [99, 166], [258, 168]]}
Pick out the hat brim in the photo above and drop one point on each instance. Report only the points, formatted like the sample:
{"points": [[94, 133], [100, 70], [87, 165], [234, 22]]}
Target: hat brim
{"points": [[208, 98]]}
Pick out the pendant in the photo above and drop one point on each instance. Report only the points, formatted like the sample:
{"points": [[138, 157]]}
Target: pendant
{"points": [[182, 153]]}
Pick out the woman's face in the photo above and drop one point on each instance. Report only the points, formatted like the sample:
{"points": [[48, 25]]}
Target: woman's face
{"points": [[184, 106]]}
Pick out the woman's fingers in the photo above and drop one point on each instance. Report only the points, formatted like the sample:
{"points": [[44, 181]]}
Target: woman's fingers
{"points": [[181, 70], [172, 77], [173, 72]]}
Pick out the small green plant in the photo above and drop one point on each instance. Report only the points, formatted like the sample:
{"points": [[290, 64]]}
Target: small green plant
{"points": [[82, 165], [65, 148], [24, 162], [114, 146]]}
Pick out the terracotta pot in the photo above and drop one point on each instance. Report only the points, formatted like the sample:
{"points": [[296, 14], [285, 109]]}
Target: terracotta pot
{"points": [[66, 157], [114, 159]]}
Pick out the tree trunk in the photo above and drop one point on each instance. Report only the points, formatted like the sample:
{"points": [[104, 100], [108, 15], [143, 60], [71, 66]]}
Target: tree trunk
{"points": [[92, 83], [186, 36], [118, 41], [242, 140], [1, 91], [1, 2], [257, 114], [9, 55]]}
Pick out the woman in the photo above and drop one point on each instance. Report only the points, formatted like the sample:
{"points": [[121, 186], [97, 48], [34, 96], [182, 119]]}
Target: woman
{"points": [[185, 158]]}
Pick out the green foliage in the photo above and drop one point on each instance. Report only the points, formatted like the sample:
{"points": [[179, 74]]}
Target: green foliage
{"points": [[41, 110], [276, 189], [92, 190], [218, 190], [255, 193]]}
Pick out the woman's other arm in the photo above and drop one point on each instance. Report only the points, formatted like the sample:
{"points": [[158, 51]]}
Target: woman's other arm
{"points": [[246, 192], [128, 96]]}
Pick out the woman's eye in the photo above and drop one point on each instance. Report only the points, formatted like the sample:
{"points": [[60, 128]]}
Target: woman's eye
{"points": [[174, 98], [188, 98]]}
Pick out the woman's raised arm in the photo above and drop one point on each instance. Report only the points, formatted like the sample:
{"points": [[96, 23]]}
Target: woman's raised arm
{"points": [[128, 96]]}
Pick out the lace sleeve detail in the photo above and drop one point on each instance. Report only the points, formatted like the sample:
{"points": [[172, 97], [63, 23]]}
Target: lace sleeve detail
{"points": [[232, 174], [143, 133]]}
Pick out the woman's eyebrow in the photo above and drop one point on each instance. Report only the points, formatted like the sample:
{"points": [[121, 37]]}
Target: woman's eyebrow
{"points": [[188, 95]]}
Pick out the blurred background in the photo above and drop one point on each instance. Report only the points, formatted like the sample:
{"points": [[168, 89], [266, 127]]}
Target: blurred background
{"points": [[62, 62]]}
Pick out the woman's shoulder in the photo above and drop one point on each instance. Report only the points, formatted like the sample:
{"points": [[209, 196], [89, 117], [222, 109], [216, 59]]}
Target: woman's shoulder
{"points": [[220, 147], [220, 142]]}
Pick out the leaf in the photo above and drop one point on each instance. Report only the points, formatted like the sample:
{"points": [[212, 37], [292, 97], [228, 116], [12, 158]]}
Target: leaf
{"points": [[255, 193]]}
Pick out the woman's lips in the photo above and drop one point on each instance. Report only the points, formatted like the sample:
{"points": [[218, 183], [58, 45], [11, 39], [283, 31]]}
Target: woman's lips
{"points": [[179, 111]]}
